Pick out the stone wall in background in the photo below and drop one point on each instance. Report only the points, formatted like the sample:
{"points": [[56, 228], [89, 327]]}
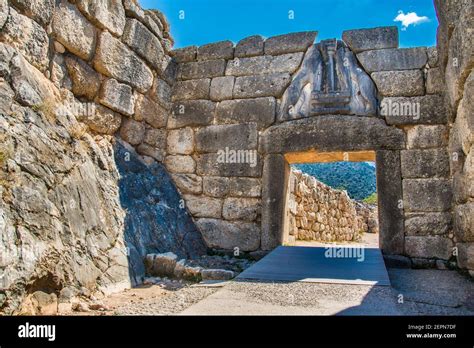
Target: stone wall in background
{"points": [[321, 213]]}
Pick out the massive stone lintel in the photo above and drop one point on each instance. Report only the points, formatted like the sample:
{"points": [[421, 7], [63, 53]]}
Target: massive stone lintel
{"points": [[329, 81]]}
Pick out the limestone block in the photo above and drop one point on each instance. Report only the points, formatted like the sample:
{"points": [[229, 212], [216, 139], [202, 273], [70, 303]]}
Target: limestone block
{"points": [[429, 195], [246, 209], [432, 56], [425, 137], [259, 110], [132, 132], [163, 264], [188, 183], [216, 186], [217, 50], [149, 111], [464, 123], [261, 85], [85, 81], [212, 164], [192, 113], [434, 81], [222, 88], [105, 14], [465, 256], [393, 59], [425, 224], [104, 120], [4, 12], [117, 96], [429, 109], [150, 151], [264, 64], [191, 89], [249, 47], [463, 216], [289, 43], [404, 83], [114, 59], [428, 247], [201, 69], [425, 163], [245, 187], [181, 141], [220, 137], [155, 137], [180, 164], [161, 93], [185, 54], [202, 206], [39, 10], [28, 37], [371, 39], [229, 235], [73, 30], [217, 274], [144, 43], [133, 9]]}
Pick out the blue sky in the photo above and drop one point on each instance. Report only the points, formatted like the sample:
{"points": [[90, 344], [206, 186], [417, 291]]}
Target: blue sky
{"points": [[215, 20]]}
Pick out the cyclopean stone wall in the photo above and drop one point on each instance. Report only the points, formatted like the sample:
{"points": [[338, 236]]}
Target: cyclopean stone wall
{"points": [[321, 213], [454, 73]]}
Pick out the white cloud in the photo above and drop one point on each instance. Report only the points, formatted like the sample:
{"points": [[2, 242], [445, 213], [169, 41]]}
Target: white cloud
{"points": [[410, 18]]}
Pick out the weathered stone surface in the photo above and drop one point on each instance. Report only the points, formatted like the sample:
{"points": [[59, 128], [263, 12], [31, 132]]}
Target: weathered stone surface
{"points": [[216, 186], [133, 9], [393, 59], [220, 137], [162, 265], [185, 54], [192, 113], [201, 69], [180, 164], [222, 88], [104, 120], [276, 172], [389, 192], [216, 50], [117, 96], [73, 30], [249, 47], [464, 222], [85, 81], [264, 64], [150, 151], [4, 12], [432, 53], [105, 14], [202, 206], [191, 89], [425, 224], [188, 183], [428, 109], [430, 163], [40, 303], [425, 137], [144, 43], [259, 110], [404, 83], [465, 255], [153, 23], [464, 124], [245, 187], [427, 195], [434, 81], [115, 59], [39, 10], [28, 37], [181, 141], [151, 112], [228, 235], [161, 93], [246, 209], [217, 274], [331, 133], [132, 132], [289, 43], [261, 85], [212, 164], [155, 137], [371, 39], [428, 247]]}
